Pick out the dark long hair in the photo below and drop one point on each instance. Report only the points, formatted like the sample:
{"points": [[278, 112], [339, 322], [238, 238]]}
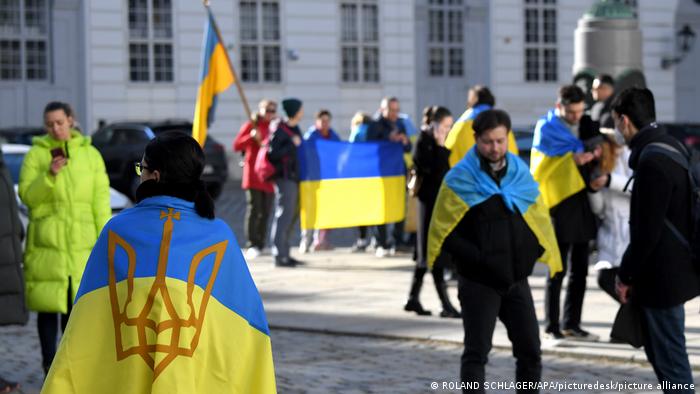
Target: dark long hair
{"points": [[180, 161], [434, 114]]}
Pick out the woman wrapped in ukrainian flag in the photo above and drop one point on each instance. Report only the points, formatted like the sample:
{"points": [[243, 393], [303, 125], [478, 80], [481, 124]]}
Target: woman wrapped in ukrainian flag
{"points": [[166, 303]]}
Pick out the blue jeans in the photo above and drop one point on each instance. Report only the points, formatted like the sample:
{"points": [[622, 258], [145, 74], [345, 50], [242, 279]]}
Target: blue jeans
{"points": [[665, 346]]}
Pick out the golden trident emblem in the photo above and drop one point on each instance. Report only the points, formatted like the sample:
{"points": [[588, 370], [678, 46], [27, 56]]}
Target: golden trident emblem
{"points": [[149, 322]]}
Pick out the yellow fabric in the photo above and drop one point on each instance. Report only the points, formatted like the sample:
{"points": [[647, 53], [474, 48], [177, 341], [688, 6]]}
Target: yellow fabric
{"points": [[449, 210], [231, 356], [351, 202], [461, 139], [218, 79], [538, 219], [558, 176]]}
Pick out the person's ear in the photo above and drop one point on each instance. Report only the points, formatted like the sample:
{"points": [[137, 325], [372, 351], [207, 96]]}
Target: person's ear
{"points": [[156, 175]]}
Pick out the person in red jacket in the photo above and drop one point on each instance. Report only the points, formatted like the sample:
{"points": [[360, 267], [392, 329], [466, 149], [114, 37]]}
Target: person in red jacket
{"points": [[259, 192]]}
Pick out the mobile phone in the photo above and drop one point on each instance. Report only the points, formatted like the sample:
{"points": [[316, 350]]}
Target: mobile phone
{"points": [[57, 152]]}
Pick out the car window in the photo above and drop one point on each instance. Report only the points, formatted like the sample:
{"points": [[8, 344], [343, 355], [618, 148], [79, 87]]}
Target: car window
{"points": [[14, 164], [102, 137], [128, 137]]}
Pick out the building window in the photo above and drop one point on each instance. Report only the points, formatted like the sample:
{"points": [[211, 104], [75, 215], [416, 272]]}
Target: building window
{"points": [[445, 38], [261, 59], [541, 62], [632, 4], [24, 40], [150, 41], [359, 21]]}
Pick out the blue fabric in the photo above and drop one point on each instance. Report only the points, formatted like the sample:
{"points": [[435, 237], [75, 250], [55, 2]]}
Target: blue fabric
{"points": [[312, 134], [142, 227], [553, 138], [472, 113], [359, 133], [408, 125], [665, 346], [210, 42], [323, 159], [474, 186]]}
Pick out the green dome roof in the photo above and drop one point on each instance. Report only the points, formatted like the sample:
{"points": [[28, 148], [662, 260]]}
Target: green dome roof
{"points": [[610, 9]]}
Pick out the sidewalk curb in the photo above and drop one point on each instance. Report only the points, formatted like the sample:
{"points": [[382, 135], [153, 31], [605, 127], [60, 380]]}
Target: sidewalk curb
{"points": [[545, 351]]}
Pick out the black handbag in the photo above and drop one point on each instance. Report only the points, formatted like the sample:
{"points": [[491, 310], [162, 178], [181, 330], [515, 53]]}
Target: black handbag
{"points": [[629, 325]]}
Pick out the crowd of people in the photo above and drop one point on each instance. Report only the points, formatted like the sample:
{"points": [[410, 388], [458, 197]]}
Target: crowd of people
{"points": [[604, 180]]}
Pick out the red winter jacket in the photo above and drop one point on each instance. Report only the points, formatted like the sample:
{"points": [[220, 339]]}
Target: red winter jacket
{"points": [[244, 142]]}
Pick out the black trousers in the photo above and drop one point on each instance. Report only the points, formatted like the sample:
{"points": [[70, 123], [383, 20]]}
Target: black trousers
{"points": [[259, 205], [576, 288], [47, 327], [606, 281], [481, 306]]}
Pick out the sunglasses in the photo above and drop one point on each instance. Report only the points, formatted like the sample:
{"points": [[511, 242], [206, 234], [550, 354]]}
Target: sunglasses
{"points": [[140, 167], [270, 110]]}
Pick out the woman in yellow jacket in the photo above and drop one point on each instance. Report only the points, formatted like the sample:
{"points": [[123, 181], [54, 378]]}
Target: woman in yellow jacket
{"points": [[64, 184]]}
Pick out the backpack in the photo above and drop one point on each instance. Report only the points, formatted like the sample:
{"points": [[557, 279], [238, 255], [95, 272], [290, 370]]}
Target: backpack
{"points": [[690, 161], [263, 167]]}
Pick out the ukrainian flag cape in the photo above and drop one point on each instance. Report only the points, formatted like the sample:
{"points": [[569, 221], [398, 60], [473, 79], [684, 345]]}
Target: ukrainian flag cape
{"points": [[347, 185], [166, 305], [461, 136], [466, 185], [551, 161]]}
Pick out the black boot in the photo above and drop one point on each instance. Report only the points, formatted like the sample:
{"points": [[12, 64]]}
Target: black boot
{"points": [[413, 305], [447, 309]]}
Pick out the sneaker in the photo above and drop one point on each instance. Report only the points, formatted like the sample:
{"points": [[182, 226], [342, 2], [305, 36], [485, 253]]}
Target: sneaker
{"points": [[578, 334], [556, 335], [381, 252], [392, 251], [303, 248], [252, 253], [322, 246], [359, 246]]}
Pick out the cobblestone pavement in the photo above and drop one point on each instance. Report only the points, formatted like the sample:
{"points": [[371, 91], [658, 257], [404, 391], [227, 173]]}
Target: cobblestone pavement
{"points": [[321, 363]]}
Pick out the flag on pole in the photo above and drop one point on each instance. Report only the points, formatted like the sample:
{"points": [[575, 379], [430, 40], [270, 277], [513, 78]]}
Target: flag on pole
{"points": [[215, 77]]}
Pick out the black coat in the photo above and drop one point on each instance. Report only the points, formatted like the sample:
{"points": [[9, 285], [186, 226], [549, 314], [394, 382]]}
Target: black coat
{"points": [[282, 152], [574, 222], [493, 246], [12, 307], [657, 266], [380, 129], [431, 162]]}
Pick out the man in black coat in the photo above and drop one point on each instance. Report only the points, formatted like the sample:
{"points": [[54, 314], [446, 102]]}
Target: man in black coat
{"points": [[12, 306], [495, 247], [657, 269], [388, 128], [575, 227]]}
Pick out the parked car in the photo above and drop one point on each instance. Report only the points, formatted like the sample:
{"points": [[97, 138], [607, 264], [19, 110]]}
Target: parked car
{"points": [[13, 155], [688, 133], [122, 144], [20, 135]]}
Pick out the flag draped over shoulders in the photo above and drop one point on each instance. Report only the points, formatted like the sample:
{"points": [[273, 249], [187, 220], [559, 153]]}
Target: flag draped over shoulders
{"points": [[461, 136], [346, 185], [551, 161], [216, 76], [166, 304], [466, 185]]}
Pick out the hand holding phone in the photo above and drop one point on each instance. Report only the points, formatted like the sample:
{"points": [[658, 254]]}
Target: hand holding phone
{"points": [[58, 161]]}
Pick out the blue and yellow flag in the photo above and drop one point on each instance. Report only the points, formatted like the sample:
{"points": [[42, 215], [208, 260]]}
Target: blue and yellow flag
{"points": [[216, 76], [346, 185], [166, 304], [552, 162], [461, 136], [466, 185]]}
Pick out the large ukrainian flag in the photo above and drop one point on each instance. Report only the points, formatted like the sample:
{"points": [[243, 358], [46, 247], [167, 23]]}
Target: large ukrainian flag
{"points": [[216, 76], [466, 185], [346, 185], [166, 305], [551, 160], [461, 136]]}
